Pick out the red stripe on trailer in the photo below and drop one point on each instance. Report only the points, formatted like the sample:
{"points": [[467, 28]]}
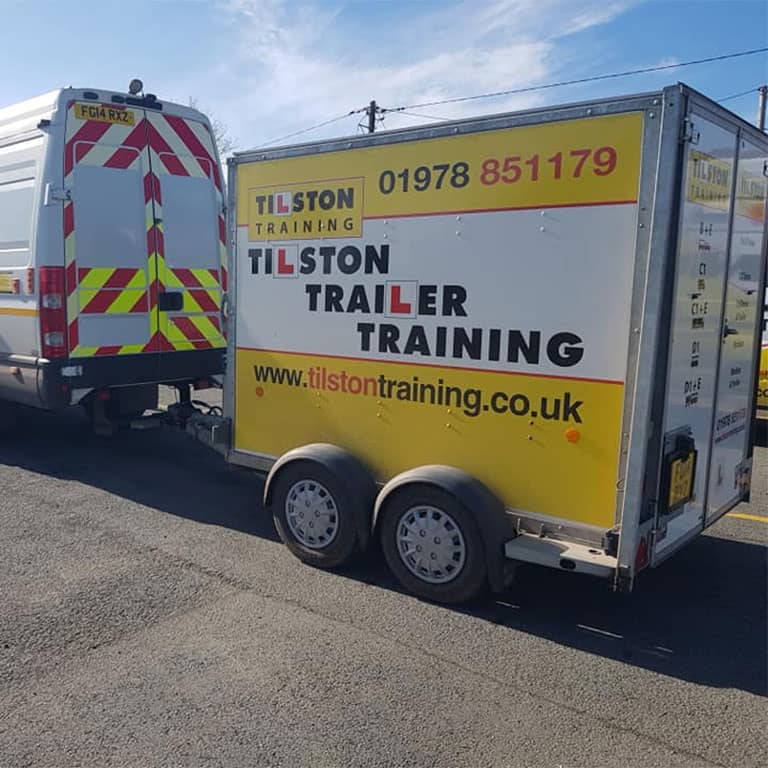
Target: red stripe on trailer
{"points": [[214, 320], [155, 241], [187, 277], [195, 146], [152, 183], [92, 131], [203, 299], [142, 305], [100, 303], [222, 230], [214, 274], [165, 152], [113, 350], [120, 277], [71, 278], [82, 273], [187, 327], [69, 219], [128, 152], [158, 343], [74, 335], [158, 189]]}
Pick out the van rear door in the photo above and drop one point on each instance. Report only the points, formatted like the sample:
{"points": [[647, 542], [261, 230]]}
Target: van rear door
{"points": [[106, 222], [190, 249], [145, 249]]}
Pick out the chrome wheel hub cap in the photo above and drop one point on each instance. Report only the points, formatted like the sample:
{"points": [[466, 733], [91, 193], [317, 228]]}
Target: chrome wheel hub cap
{"points": [[311, 514], [430, 544]]}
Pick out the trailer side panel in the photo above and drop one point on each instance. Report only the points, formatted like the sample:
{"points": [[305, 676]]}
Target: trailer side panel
{"points": [[461, 300]]}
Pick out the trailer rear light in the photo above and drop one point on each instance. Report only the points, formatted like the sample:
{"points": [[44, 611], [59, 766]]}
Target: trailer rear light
{"points": [[52, 301], [53, 312], [641, 556], [53, 339]]}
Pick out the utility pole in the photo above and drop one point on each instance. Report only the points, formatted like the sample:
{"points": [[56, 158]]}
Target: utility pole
{"points": [[371, 112], [763, 97]]}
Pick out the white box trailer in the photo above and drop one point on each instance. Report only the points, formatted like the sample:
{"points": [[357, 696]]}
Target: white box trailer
{"points": [[112, 250], [525, 337]]}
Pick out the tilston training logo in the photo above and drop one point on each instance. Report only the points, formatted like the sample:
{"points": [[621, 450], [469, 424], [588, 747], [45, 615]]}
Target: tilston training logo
{"points": [[308, 210]]}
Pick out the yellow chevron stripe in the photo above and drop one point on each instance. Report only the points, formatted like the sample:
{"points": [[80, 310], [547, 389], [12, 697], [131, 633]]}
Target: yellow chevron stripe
{"points": [[206, 279], [81, 351], [131, 349], [98, 277], [122, 300], [206, 330]]}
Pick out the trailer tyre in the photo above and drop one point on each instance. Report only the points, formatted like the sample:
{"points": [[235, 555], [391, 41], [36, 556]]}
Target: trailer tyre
{"points": [[314, 514], [433, 545]]}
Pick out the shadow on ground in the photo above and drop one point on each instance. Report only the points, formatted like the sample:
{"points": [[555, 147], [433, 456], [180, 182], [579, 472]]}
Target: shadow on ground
{"points": [[699, 617]]}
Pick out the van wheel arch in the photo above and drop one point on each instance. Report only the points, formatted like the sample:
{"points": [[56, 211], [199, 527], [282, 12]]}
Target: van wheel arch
{"points": [[495, 526], [349, 471]]}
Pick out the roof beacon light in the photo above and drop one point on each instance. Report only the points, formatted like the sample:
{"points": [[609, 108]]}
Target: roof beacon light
{"points": [[135, 86]]}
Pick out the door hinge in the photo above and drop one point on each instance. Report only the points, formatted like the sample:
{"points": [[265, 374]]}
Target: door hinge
{"points": [[765, 169], [689, 132], [56, 195]]}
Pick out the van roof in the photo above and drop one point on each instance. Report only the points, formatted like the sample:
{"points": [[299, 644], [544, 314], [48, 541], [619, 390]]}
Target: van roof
{"points": [[23, 117]]}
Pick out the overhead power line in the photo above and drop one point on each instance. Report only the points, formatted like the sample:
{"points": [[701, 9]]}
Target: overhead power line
{"points": [[528, 89], [313, 127], [580, 80], [420, 116], [739, 95]]}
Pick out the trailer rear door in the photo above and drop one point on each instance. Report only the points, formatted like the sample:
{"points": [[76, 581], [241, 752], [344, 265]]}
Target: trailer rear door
{"points": [[705, 469], [730, 462]]}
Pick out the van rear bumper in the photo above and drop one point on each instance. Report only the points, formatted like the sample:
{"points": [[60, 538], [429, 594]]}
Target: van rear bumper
{"points": [[57, 380]]}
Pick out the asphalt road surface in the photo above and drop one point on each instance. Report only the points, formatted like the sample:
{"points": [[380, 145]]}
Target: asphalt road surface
{"points": [[149, 617]]}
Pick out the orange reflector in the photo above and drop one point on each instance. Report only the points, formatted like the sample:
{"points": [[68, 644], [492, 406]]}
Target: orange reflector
{"points": [[572, 435]]}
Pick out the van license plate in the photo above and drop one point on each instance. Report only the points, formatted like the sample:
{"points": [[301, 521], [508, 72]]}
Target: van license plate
{"points": [[102, 114], [681, 481]]}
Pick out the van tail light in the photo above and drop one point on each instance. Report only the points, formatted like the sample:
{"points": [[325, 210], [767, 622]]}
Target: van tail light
{"points": [[53, 312]]}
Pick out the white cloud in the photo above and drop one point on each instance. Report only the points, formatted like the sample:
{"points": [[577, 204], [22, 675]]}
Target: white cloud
{"points": [[295, 64]]}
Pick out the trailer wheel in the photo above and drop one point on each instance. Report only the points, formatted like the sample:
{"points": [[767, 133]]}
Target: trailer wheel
{"points": [[433, 545], [314, 515]]}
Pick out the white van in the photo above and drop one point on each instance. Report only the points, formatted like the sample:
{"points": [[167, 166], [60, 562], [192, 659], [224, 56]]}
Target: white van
{"points": [[112, 250]]}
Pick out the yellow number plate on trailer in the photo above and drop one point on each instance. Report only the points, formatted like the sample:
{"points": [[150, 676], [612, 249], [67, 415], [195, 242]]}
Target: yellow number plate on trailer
{"points": [[102, 114], [681, 481]]}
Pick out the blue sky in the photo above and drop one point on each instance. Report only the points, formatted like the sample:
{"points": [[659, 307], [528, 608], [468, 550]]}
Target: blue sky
{"points": [[269, 67]]}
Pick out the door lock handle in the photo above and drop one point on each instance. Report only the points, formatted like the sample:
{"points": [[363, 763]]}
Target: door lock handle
{"points": [[170, 301]]}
